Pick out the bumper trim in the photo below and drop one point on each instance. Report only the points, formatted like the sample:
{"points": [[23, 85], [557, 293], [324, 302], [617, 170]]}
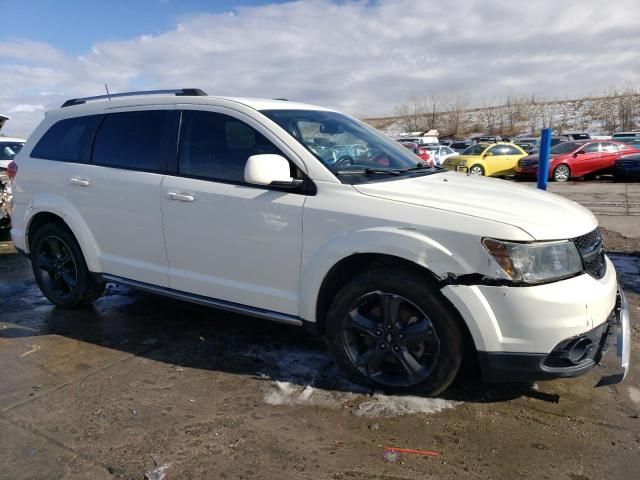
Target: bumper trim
{"points": [[623, 342], [498, 367]]}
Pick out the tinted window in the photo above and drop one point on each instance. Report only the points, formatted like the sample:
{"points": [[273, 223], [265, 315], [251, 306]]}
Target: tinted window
{"points": [[67, 140], [9, 150], [565, 147], [505, 150], [135, 140], [474, 149], [217, 146]]}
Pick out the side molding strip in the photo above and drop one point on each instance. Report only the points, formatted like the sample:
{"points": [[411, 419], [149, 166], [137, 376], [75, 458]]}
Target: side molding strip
{"points": [[206, 301]]}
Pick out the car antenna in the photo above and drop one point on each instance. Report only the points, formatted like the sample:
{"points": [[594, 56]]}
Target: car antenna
{"points": [[107, 89]]}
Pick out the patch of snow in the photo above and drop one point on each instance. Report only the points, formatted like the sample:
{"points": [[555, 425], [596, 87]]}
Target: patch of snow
{"points": [[395, 405], [308, 377]]}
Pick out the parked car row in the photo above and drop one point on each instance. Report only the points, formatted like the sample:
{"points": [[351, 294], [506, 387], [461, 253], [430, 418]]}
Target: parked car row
{"points": [[577, 159]]}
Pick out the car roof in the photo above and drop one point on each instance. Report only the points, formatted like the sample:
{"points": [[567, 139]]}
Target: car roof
{"points": [[12, 139], [95, 106]]}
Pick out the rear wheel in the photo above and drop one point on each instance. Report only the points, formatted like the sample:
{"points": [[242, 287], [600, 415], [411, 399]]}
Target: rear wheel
{"points": [[388, 329], [562, 173], [476, 170], [60, 269]]}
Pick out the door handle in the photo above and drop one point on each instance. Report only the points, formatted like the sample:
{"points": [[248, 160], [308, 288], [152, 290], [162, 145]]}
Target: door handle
{"points": [[181, 197], [79, 181]]}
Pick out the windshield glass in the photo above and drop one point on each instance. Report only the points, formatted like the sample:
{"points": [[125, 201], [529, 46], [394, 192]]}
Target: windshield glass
{"points": [[344, 144], [9, 150], [565, 147], [474, 149]]}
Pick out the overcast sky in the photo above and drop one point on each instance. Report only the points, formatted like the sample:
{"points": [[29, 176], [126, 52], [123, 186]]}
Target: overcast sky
{"points": [[362, 57]]}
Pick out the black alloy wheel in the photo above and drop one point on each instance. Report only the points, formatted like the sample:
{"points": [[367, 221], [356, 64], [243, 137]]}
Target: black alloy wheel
{"points": [[390, 340]]}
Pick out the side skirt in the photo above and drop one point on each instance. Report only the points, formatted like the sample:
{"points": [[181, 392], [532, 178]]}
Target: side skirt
{"points": [[206, 301]]}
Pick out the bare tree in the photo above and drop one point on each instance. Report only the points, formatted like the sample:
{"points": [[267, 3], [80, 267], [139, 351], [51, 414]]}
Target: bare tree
{"points": [[627, 106], [413, 114], [455, 106]]}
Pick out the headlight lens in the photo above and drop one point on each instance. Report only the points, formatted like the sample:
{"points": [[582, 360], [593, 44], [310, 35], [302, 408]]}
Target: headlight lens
{"points": [[535, 262]]}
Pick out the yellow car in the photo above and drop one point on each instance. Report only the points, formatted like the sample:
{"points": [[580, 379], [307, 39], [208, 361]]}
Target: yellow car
{"points": [[488, 159]]}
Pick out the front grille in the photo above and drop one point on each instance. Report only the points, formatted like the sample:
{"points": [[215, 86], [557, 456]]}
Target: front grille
{"points": [[592, 253]]}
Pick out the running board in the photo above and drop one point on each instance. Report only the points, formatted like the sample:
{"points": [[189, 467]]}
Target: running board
{"points": [[206, 301]]}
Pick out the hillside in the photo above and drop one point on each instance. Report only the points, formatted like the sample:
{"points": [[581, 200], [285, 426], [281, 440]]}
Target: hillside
{"points": [[598, 115]]}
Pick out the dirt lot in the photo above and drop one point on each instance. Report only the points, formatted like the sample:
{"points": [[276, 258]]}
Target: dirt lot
{"points": [[140, 385]]}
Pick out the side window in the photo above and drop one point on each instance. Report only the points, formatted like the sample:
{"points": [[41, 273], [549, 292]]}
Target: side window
{"points": [[135, 140], [216, 146], [591, 148], [511, 150], [67, 140], [498, 150], [610, 147]]}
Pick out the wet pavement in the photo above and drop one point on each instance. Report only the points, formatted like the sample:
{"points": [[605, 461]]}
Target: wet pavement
{"points": [[142, 385]]}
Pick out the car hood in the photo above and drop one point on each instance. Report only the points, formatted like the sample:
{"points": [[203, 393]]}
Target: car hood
{"points": [[542, 215]]}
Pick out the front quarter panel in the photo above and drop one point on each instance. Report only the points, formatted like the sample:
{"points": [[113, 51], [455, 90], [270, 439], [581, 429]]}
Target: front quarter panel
{"points": [[340, 222]]}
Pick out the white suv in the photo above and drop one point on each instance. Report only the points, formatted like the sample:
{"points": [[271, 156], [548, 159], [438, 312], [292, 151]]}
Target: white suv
{"points": [[303, 215]]}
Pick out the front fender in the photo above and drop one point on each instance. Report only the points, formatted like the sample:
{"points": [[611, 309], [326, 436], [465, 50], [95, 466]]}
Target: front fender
{"points": [[57, 205], [408, 244]]}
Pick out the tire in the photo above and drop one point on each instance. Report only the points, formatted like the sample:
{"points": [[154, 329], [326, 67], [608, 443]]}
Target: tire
{"points": [[562, 173], [476, 170], [370, 352], [60, 269]]}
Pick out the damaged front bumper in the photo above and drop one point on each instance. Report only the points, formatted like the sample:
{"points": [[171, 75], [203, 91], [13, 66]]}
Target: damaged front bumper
{"points": [[570, 358]]}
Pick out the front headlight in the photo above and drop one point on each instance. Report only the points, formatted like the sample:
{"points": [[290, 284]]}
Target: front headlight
{"points": [[535, 262]]}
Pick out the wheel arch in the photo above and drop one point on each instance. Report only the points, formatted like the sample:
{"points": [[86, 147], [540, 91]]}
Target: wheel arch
{"points": [[338, 261], [53, 209]]}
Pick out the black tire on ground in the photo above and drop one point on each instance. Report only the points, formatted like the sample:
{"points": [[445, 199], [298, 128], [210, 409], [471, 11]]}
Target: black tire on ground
{"points": [[562, 173], [423, 350], [60, 269], [476, 170]]}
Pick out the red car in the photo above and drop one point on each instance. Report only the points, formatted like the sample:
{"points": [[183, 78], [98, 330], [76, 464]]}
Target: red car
{"points": [[423, 153], [576, 159]]}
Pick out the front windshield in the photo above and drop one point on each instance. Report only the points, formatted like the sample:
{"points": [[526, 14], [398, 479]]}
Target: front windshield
{"points": [[564, 147], [474, 149], [8, 151], [344, 144]]}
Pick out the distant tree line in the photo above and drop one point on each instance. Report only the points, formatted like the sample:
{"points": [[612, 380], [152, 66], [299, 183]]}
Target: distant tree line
{"points": [[454, 116]]}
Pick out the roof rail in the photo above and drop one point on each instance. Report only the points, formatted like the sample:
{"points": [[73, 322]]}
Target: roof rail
{"points": [[180, 92]]}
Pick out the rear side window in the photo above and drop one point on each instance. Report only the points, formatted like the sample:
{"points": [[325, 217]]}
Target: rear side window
{"points": [[8, 151], [67, 140], [216, 146], [136, 140]]}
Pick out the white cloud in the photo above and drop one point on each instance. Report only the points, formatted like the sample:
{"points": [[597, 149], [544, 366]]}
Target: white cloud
{"points": [[362, 57], [26, 108]]}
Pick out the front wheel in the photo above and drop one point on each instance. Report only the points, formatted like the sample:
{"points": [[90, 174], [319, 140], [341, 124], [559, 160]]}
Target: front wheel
{"points": [[562, 173], [60, 269], [388, 329], [476, 170]]}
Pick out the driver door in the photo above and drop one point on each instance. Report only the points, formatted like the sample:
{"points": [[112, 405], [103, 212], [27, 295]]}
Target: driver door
{"points": [[226, 239], [586, 160]]}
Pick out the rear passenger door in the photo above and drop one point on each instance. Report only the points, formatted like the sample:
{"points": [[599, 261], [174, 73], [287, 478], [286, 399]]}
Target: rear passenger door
{"points": [[228, 240], [118, 193]]}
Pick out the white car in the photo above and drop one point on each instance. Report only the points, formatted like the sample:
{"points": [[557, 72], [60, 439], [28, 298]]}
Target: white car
{"points": [[231, 203], [9, 148], [440, 153]]}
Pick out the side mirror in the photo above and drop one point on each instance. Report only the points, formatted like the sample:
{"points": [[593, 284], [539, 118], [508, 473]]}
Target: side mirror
{"points": [[579, 152], [269, 170], [488, 154]]}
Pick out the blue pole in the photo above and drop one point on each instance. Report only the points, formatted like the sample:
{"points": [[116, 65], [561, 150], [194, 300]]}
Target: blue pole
{"points": [[543, 158]]}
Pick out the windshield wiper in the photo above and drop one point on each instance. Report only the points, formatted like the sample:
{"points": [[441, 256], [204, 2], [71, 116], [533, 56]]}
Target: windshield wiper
{"points": [[368, 171], [419, 166]]}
